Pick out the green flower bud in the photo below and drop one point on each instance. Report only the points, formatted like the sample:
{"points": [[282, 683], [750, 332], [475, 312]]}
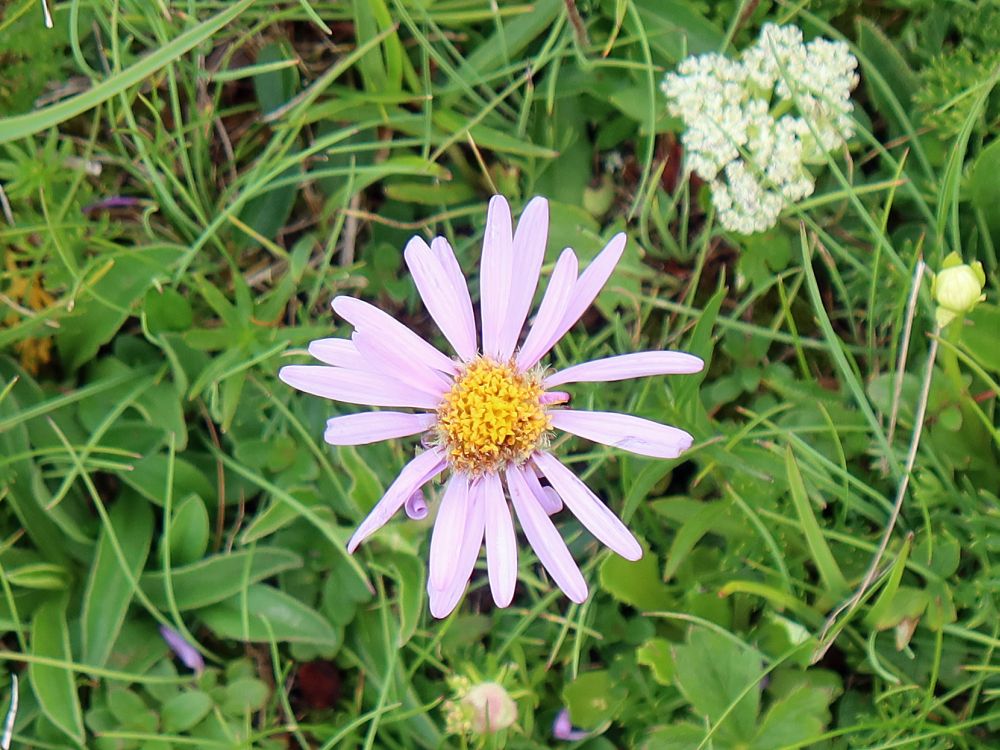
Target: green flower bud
{"points": [[957, 288]]}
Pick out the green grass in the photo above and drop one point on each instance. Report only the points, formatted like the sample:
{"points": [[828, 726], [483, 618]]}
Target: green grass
{"points": [[154, 471]]}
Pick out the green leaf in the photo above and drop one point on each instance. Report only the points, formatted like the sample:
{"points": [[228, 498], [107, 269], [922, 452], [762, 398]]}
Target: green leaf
{"points": [[691, 532], [269, 614], [827, 566], [984, 185], [655, 654], [883, 57], [676, 29], [410, 574], [594, 698], [244, 695], [55, 686], [880, 608], [102, 310], [713, 672], [635, 583], [794, 720], [189, 531], [184, 710], [218, 577], [109, 591]]}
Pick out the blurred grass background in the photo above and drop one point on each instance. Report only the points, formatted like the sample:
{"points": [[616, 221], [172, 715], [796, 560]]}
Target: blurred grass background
{"points": [[185, 186]]}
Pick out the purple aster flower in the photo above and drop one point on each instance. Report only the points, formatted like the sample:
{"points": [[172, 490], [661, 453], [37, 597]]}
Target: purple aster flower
{"points": [[487, 415]]}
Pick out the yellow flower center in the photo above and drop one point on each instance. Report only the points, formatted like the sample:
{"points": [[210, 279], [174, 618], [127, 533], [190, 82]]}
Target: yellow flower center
{"points": [[491, 416]]}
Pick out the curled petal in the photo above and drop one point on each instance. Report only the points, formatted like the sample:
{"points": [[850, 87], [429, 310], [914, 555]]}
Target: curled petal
{"points": [[416, 506], [642, 436], [547, 497], [588, 508], [375, 426], [626, 366], [413, 476]]}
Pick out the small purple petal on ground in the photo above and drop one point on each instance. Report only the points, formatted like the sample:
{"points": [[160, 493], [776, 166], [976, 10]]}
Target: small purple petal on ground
{"points": [[562, 728], [187, 653]]}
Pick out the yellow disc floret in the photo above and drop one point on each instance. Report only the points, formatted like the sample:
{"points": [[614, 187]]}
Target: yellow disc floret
{"points": [[491, 416]]}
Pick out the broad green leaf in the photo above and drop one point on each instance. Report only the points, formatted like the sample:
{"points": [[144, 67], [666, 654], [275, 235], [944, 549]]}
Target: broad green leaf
{"points": [[713, 672], [984, 185], [410, 574], [690, 533], [794, 720], [184, 710], [102, 310], [189, 531], [268, 613], [594, 698], [655, 654], [55, 686], [635, 583], [880, 52], [217, 577], [109, 591]]}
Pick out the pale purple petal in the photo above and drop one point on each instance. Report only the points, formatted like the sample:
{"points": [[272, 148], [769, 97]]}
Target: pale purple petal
{"points": [[529, 251], [543, 536], [187, 653], [547, 497], [501, 545], [542, 335], [382, 357], [375, 426], [626, 366], [355, 386], [370, 319], [642, 436], [562, 728], [416, 506], [590, 283], [449, 528], [588, 508], [554, 397], [460, 287], [495, 273], [438, 293], [338, 353], [414, 475], [443, 601]]}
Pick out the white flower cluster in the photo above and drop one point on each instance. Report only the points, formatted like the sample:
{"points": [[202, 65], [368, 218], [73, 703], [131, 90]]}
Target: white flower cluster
{"points": [[754, 124]]}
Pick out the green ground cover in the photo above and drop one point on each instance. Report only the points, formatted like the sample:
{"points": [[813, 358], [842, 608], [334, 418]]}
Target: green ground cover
{"points": [[186, 184]]}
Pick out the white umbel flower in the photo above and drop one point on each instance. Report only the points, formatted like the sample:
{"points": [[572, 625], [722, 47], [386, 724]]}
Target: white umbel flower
{"points": [[753, 124]]}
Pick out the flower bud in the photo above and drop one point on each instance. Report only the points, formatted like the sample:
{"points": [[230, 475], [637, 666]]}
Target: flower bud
{"points": [[489, 708], [957, 288]]}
